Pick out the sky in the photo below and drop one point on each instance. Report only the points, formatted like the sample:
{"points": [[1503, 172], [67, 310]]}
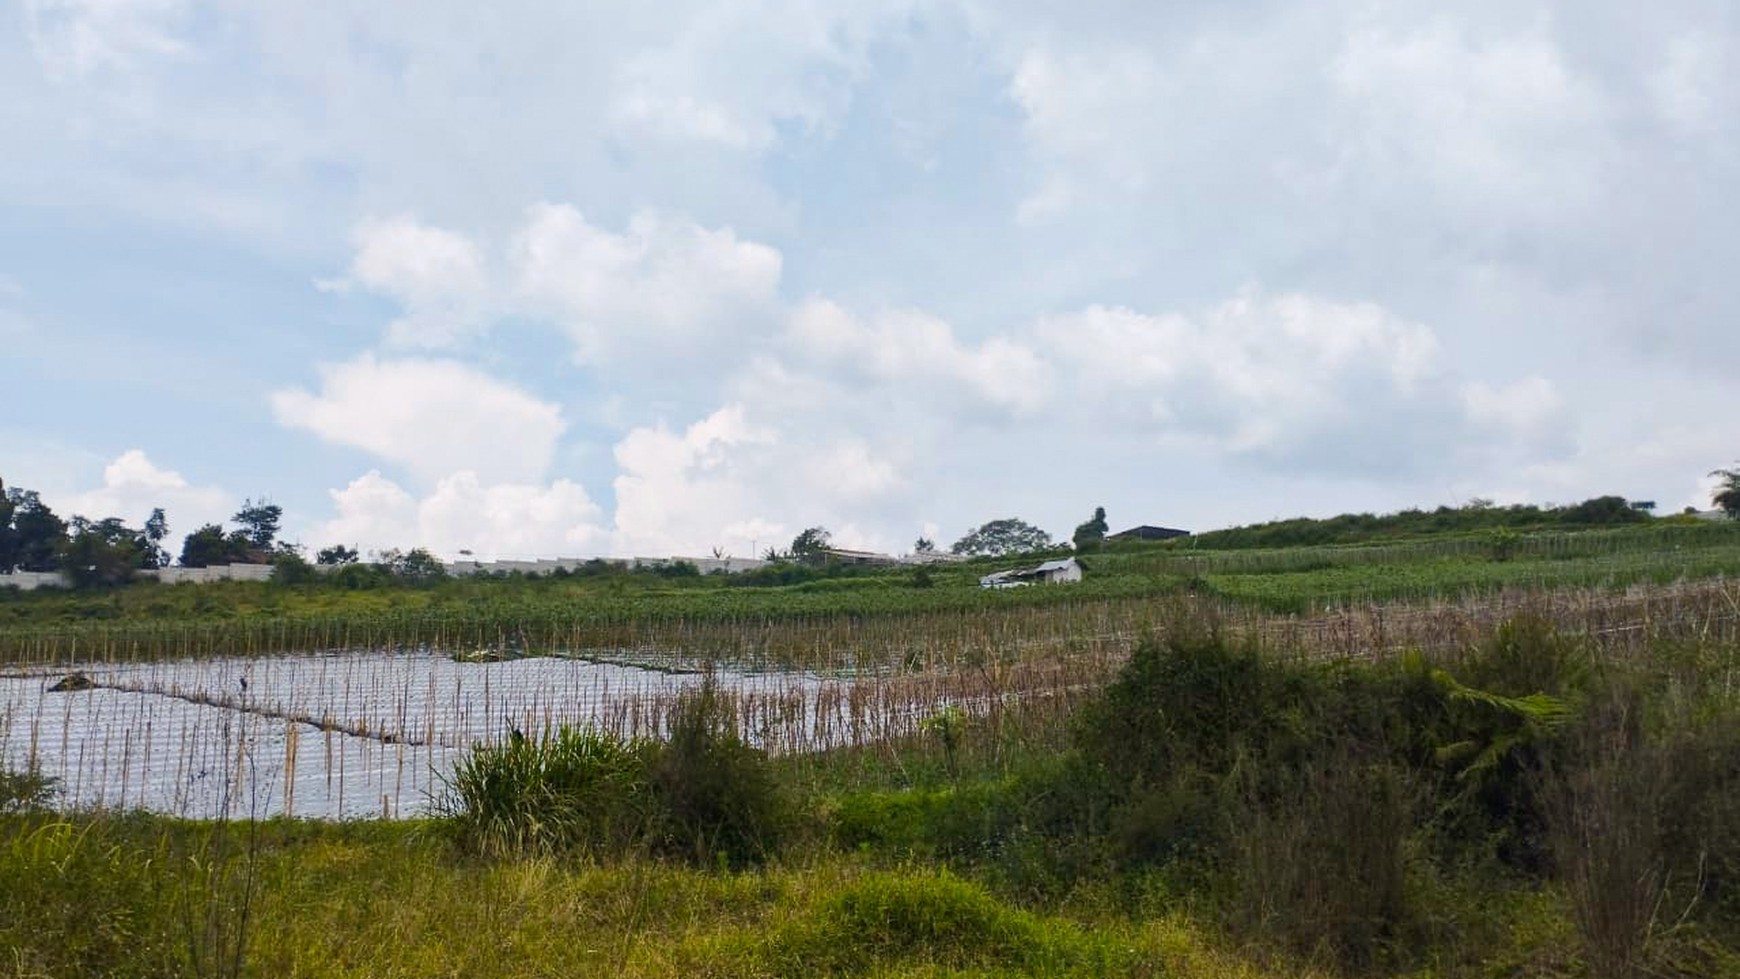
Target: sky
{"points": [[573, 279]]}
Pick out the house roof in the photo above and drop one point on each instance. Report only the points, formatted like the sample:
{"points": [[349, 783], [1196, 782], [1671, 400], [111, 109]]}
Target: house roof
{"points": [[1149, 530]]}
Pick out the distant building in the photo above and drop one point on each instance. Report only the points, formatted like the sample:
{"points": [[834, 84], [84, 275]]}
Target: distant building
{"points": [[1063, 572], [1145, 532], [843, 556], [934, 557]]}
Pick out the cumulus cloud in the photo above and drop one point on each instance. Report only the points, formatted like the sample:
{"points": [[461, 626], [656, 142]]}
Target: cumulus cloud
{"points": [[665, 284], [664, 287], [434, 417], [438, 276], [133, 485], [1295, 379], [1500, 123], [678, 491], [463, 513], [730, 482], [920, 352]]}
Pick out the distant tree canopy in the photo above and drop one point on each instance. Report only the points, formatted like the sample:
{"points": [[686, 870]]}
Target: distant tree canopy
{"points": [[34, 534], [1604, 510], [1089, 536], [810, 545], [336, 554], [252, 543], [209, 546], [105, 552], [259, 522], [1727, 495], [924, 545], [1000, 538], [416, 565], [156, 529]]}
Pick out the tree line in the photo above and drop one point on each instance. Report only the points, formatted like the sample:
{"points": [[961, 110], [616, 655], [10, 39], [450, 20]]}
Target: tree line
{"points": [[94, 553], [108, 551]]}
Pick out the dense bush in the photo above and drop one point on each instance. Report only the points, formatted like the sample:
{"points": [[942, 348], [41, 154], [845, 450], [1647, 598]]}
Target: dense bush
{"points": [[24, 791], [702, 794], [1308, 797]]}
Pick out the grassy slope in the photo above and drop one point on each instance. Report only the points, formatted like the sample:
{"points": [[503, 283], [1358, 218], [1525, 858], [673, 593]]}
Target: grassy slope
{"points": [[1285, 579], [134, 897], [131, 898]]}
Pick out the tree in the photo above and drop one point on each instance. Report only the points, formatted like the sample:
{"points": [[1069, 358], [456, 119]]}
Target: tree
{"points": [[103, 553], [156, 529], [1603, 510], [8, 536], [416, 565], [1727, 496], [289, 568], [259, 522], [209, 545], [37, 533], [1000, 538], [810, 545], [1091, 536], [336, 554]]}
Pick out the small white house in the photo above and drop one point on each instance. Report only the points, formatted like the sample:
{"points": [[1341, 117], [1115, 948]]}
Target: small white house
{"points": [[1004, 579], [1063, 572]]}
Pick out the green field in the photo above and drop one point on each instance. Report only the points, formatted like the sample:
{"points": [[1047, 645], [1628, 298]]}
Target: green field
{"points": [[719, 616]]}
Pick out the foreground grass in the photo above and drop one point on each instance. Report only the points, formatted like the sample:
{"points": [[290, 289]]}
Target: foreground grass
{"points": [[133, 897]]}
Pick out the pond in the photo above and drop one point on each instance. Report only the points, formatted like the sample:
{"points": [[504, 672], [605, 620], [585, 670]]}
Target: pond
{"points": [[368, 734]]}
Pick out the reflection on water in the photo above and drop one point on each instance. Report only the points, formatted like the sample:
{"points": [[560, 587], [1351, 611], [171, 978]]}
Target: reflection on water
{"points": [[356, 734]]}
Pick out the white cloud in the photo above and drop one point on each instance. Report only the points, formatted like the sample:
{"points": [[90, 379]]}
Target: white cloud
{"points": [[677, 492], [1498, 121], [439, 276], [1693, 82], [666, 284], [1298, 379], [731, 73], [1531, 407], [919, 352], [434, 417], [73, 37], [728, 482], [133, 485], [665, 287], [462, 513]]}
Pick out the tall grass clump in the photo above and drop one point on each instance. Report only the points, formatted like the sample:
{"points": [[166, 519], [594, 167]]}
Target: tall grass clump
{"points": [[574, 789], [78, 898], [718, 799], [25, 791], [702, 794]]}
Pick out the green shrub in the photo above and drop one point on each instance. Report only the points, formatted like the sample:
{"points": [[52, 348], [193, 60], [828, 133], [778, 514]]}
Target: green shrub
{"points": [[1325, 874], [76, 902], [717, 798], [702, 795], [24, 791], [577, 789], [884, 919]]}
